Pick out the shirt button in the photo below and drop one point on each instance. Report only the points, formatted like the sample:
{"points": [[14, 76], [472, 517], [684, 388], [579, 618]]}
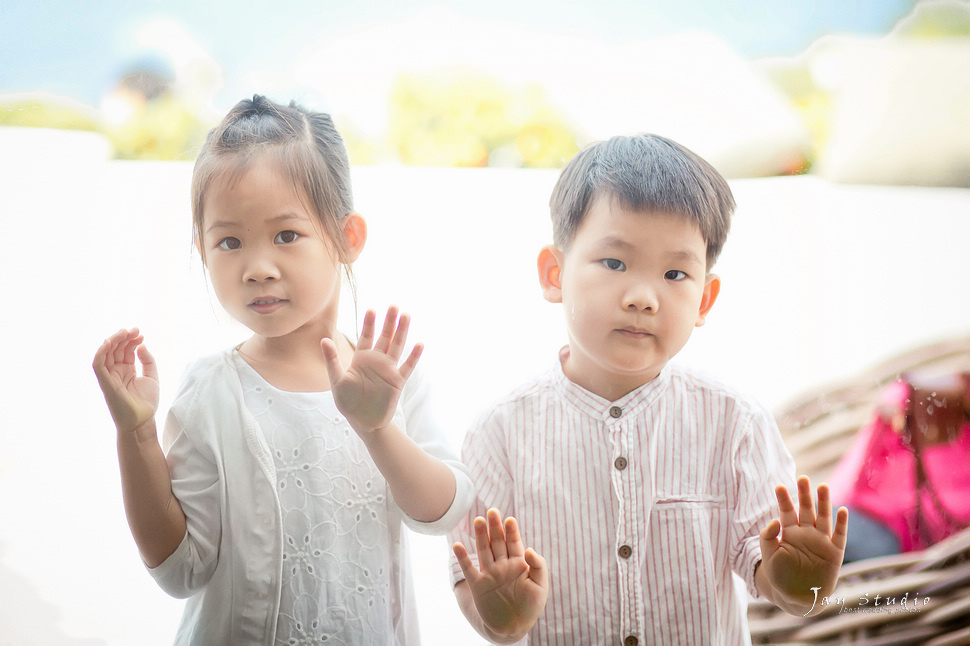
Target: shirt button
{"points": [[631, 641], [625, 551], [620, 463], [615, 411]]}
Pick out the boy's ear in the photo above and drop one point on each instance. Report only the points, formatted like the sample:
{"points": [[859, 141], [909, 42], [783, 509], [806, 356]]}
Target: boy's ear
{"points": [[355, 235], [711, 289], [549, 264]]}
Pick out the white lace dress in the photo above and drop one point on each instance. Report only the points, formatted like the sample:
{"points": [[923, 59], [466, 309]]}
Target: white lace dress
{"points": [[338, 561]]}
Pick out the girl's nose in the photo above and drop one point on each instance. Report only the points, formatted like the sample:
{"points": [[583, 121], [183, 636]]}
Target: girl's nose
{"points": [[259, 269]]}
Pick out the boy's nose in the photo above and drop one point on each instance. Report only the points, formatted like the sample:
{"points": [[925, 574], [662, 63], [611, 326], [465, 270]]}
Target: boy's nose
{"points": [[641, 298]]}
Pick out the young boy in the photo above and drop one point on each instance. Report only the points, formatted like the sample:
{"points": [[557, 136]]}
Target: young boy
{"points": [[644, 484]]}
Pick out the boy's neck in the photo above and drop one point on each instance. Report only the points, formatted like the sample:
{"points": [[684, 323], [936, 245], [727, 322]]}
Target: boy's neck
{"points": [[605, 385]]}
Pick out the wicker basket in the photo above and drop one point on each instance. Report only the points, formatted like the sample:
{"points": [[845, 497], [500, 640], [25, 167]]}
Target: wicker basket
{"points": [[923, 597]]}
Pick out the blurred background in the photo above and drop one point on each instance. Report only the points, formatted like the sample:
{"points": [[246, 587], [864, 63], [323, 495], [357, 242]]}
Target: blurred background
{"points": [[759, 87], [843, 127]]}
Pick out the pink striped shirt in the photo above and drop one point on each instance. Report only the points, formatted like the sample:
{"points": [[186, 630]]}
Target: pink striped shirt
{"points": [[642, 507]]}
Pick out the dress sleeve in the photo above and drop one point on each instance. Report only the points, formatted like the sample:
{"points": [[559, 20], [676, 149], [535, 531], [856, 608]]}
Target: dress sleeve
{"points": [[422, 428], [196, 485], [761, 463]]}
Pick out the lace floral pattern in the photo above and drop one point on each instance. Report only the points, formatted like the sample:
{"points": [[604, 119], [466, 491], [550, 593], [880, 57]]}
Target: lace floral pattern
{"points": [[336, 563]]}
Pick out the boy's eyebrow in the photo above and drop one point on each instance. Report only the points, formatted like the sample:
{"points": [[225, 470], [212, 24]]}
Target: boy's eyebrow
{"points": [[685, 256], [225, 224], [681, 255]]}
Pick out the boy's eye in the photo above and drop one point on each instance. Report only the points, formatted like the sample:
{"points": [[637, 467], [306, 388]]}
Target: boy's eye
{"points": [[230, 243], [286, 237], [675, 274], [613, 264]]}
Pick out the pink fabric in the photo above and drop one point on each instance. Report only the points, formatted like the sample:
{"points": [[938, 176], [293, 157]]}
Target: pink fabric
{"points": [[878, 477]]}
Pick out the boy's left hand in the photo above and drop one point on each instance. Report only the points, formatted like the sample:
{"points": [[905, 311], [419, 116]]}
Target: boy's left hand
{"points": [[808, 553], [368, 391]]}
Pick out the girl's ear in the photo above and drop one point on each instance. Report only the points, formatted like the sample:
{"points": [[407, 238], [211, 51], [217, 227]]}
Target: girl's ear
{"points": [[549, 264], [711, 289], [355, 235]]}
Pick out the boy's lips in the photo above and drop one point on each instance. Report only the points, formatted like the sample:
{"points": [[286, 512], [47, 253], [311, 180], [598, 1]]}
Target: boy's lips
{"points": [[635, 332]]}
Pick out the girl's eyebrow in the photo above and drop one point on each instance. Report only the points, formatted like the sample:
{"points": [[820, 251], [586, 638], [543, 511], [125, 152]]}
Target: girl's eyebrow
{"points": [[225, 224]]}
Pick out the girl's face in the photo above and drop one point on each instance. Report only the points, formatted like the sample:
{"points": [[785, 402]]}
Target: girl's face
{"points": [[272, 265]]}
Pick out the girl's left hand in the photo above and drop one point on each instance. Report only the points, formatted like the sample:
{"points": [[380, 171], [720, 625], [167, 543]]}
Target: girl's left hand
{"points": [[368, 391]]}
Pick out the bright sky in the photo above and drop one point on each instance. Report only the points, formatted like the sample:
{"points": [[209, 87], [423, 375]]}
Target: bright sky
{"points": [[80, 49]]}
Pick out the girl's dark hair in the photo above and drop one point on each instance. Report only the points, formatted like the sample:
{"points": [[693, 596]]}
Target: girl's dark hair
{"points": [[646, 173], [305, 145]]}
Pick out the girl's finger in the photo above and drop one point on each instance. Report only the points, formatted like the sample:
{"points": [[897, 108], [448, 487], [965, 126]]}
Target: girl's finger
{"points": [[148, 366], [387, 332], [366, 339], [412, 361], [396, 347]]}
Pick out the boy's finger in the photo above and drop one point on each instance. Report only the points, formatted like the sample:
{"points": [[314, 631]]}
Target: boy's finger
{"points": [[513, 540], [841, 532], [485, 558], [806, 503], [823, 521], [496, 532], [786, 507], [465, 562], [537, 568]]}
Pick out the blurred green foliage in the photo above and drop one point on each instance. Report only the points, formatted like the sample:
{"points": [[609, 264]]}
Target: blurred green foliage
{"points": [[472, 120], [163, 128], [30, 113]]}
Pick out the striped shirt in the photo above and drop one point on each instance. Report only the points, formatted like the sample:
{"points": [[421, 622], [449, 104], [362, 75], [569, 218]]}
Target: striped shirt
{"points": [[644, 508]]}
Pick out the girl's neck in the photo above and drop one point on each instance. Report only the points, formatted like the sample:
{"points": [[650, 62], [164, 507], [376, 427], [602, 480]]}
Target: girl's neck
{"points": [[291, 364]]}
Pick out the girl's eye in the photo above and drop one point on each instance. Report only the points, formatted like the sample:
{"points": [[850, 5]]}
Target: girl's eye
{"points": [[675, 274], [286, 237], [230, 243], [613, 264]]}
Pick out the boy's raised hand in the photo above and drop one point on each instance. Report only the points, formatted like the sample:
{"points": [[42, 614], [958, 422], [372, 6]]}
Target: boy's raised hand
{"points": [[511, 584], [131, 398], [808, 553], [368, 391]]}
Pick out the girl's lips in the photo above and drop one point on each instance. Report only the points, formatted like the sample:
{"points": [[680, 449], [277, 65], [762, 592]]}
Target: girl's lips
{"points": [[266, 305]]}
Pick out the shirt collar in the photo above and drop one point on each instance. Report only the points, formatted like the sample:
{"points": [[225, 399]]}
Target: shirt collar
{"points": [[601, 408]]}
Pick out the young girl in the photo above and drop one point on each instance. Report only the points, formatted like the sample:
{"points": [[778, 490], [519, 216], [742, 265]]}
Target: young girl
{"points": [[278, 503]]}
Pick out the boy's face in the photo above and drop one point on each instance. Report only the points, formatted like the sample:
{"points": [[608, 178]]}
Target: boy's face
{"points": [[633, 286]]}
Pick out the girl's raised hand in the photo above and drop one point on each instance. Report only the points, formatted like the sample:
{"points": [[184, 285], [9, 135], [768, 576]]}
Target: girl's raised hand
{"points": [[131, 398], [368, 391]]}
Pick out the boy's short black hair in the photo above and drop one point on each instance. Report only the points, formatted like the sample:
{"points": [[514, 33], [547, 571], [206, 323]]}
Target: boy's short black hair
{"points": [[645, 172]]}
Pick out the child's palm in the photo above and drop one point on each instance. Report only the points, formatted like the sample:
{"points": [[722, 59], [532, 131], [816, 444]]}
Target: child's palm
{"points": [[511, 584], [132, 398], [810, 551], [367, 393]]}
